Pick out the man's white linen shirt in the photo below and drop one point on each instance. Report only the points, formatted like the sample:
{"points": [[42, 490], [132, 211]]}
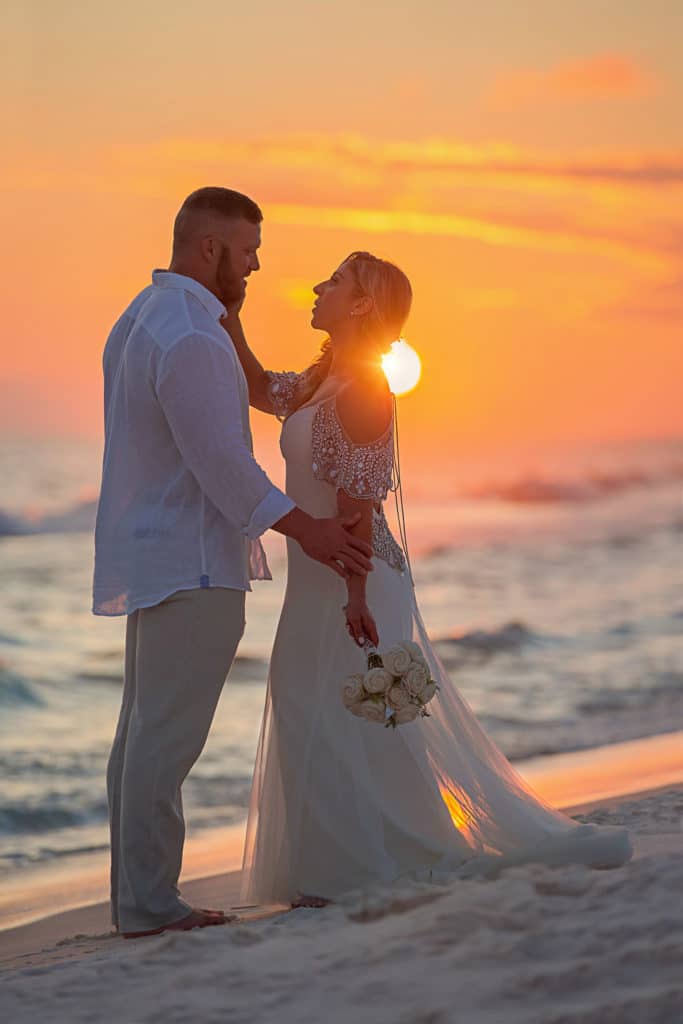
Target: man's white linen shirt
{"points": [[182, 501]]}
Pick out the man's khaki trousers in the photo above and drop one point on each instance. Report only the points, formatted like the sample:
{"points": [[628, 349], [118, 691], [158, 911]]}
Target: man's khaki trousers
{"points": [[178, 654]]}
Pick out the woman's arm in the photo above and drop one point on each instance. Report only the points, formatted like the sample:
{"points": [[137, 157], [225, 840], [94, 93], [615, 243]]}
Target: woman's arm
{"points": [[257, 377], [360, 622], [364, 410]]}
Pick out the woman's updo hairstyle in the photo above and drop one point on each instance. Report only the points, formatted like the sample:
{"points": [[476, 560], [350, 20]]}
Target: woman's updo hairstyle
{"points": [[391, 295]]}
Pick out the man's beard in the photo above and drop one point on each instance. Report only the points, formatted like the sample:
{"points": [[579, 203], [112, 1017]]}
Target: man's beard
{"points": [[229, 287]]}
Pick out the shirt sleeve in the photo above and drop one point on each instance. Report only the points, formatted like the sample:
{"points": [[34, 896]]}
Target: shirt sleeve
{"points": [[198, 390]]}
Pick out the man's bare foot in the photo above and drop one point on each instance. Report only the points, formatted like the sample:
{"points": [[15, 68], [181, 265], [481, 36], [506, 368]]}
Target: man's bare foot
{"points": [[217, 913], [195, 919], [310, 901]]}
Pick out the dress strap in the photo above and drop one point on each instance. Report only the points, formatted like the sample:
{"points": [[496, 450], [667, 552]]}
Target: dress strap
{"points": [[397, 488]]}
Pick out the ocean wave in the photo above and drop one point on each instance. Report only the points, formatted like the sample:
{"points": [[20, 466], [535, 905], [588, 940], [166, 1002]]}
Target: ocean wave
{"points": [[592, 486], [13, 859], [524, 490], [218, 799], [15, 691], [12, 526], [661, 685], [50, 853], [101, 677], [510, 637], [245, 669], [77, 518], [219, 791], [73, 764], [19, 818]]}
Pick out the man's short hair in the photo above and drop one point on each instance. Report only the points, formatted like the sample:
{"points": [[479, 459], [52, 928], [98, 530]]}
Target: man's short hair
{"points": [[213, 199]]}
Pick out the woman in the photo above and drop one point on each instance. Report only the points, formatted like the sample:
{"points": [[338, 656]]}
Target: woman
{"points": [[339, 802]]}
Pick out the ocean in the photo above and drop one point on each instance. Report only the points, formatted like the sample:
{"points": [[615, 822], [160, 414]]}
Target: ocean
{"points": [[553, 590]]}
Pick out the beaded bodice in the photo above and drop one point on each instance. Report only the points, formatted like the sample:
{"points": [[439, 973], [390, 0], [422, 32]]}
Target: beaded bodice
{"points": [[363, 471], [384, 544]]}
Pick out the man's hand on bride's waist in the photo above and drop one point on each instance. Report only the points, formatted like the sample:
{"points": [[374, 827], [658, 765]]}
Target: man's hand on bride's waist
{"points": [[329, 541]]}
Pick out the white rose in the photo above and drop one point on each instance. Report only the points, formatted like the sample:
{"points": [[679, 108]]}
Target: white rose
{"points": [[378, 680], [407, 714], [370, 710], [415, 679], [352, 691], [397, 660], [398, 697], [415, 651], [428, 693]]}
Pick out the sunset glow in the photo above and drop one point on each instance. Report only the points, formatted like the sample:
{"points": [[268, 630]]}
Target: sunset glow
{"points": [[459, 807], [402, 367], [531, 187]]}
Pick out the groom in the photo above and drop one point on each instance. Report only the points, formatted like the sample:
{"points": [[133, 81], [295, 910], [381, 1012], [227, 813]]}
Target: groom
{"points": [[182, 506]]}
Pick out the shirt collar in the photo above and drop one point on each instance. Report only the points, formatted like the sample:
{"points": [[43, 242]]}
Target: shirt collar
{"points": [[166, 279]]}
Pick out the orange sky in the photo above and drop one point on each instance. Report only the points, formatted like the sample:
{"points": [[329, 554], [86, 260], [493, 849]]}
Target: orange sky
{"points": [[524, 166]]}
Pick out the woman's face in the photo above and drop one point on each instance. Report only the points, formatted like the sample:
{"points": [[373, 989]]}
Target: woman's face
{"points": [[337, 299]]}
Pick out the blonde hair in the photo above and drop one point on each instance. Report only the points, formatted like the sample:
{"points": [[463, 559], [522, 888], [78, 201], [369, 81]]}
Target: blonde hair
{"points": [[391, 295]]}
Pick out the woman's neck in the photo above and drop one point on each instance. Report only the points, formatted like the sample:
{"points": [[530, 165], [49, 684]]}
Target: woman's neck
{"points": [[342, 367], [347, 362]]}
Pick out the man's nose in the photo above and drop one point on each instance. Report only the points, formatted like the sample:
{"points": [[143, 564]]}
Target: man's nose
{"points": [[255, 265]]}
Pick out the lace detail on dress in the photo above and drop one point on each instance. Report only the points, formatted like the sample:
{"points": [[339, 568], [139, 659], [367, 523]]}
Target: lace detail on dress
{"points": [[281, 389], [383, 543], [362, 470]]}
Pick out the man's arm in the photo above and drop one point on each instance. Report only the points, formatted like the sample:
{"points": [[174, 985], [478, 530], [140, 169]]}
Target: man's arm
{"points": [[197, 389], [330, 541]]}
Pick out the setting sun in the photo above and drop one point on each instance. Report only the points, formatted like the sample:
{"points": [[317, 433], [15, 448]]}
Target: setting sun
{"points": [[402, 367]]}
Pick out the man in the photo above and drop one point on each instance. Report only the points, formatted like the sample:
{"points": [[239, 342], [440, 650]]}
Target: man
{"points": [[181, 508]]}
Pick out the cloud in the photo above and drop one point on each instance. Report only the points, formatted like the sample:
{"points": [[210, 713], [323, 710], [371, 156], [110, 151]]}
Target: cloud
{"points": [[356, 162], [618, 204], [425, 188], [662, 302], [487, 231], [604, 76], [365, 160]]}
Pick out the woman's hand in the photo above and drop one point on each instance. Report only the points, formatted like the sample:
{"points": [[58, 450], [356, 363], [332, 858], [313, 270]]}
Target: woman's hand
{"points": [[360, 623], [233, 312]]}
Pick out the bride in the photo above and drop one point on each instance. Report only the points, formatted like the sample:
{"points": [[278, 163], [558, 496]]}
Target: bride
{"points": [[339, 802]]}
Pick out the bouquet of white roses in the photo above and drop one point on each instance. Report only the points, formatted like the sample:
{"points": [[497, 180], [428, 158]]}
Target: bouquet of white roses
{"points": [[395, 689]]}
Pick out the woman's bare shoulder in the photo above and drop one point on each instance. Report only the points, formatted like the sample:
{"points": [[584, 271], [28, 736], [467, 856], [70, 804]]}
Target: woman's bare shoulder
{"points": [[365, 408]]}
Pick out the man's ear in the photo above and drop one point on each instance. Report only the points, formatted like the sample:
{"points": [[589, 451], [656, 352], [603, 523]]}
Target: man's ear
{"points": [[208, 247]]}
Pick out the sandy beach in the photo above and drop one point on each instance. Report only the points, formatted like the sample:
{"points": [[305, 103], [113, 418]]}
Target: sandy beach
{"points": [[536, 944]]}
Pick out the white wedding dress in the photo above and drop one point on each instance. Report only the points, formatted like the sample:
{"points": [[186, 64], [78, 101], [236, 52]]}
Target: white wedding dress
{"points": [[337, 802]]}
